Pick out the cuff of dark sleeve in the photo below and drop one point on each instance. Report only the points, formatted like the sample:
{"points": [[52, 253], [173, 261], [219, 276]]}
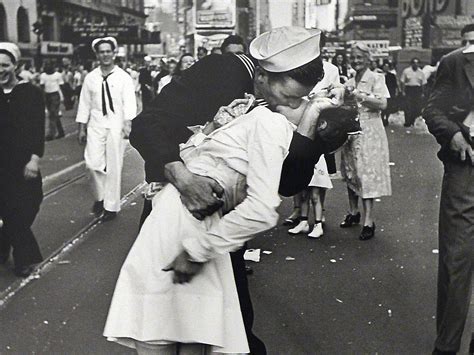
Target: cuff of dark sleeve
{"points": [[298, 167]]}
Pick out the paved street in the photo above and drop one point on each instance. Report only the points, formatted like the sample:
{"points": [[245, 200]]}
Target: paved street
{"points": [[338, 296]]}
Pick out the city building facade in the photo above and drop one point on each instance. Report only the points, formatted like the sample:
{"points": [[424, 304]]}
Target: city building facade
{"points": [[16, 20], [67, 27]]}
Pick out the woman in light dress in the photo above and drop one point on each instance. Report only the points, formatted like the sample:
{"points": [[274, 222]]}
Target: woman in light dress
{"points": [[365, 158]]}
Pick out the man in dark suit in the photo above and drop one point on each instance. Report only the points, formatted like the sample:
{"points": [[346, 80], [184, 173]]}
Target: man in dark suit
{"points": [[449, 114]]}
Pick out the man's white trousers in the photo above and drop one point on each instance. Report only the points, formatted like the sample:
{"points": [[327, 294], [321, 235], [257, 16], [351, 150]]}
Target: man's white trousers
{"points": [[104, 159]]}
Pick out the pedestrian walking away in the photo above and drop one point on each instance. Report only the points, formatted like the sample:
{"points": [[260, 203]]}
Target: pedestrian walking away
{"points": [[22, 122], [107, 105], [51, 82], [449, 114], [412, 82]]}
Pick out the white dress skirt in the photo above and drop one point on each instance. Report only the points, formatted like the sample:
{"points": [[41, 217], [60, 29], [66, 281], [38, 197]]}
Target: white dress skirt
{"points": [[321, 176], [145, 300]]}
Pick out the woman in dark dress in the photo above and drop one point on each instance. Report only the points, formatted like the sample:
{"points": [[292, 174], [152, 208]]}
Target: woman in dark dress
{"points": [[22, 122]]}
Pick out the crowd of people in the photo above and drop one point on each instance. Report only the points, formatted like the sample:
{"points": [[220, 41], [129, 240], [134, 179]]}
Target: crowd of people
{"points": [[266, 121]]}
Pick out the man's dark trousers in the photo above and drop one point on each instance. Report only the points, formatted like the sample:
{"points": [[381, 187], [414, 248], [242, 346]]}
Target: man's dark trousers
{"points": [[257, 347], [456, 253], [413, 104]]}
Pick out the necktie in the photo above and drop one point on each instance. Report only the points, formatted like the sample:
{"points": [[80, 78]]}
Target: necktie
{"points": [[109, 96]]}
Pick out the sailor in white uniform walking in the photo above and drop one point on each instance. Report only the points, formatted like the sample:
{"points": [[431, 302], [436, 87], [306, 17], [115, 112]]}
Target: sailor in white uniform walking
{"points": [[107, 106]]}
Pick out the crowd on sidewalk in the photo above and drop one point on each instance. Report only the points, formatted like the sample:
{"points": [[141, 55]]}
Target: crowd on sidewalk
{"points": [[223, 136]]}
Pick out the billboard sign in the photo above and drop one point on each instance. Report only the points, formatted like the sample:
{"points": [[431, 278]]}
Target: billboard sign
{"points": [[215, 13], [56, 48], [124, 34]]}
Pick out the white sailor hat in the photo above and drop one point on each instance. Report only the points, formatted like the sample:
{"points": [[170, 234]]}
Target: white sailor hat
{"points": [[286, 48], [97, 41], [11, 49]]}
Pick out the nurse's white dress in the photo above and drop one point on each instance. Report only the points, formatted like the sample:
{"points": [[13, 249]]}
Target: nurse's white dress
{"points": [[245, 157]]}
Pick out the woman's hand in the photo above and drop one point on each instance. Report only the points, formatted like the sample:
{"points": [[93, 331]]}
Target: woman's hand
{"points": [[31, 170], [235, 109]]}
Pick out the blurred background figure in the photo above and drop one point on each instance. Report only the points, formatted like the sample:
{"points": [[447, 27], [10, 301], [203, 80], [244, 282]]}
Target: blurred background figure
{"points": [[51, 81], [79, 76], [216, 50], [146, 82], [22, 124], [234, 44], [412, 82], [339, 61], [186, 61], [161, 72], [171, 65], [26, 73], [201, 52], [392, 86], [68, 82], [365, 158]]}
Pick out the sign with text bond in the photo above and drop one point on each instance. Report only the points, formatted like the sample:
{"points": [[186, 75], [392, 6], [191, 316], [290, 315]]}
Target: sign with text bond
{"points": [[215, 13]]}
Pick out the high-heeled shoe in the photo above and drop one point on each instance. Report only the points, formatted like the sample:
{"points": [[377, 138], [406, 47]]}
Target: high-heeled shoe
{"points": [[302, 227], [368, 232], [350, 220]]}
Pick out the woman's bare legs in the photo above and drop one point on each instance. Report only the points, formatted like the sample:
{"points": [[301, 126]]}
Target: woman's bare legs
{"points": [[143, 348], [368, 204], [353, 202]]}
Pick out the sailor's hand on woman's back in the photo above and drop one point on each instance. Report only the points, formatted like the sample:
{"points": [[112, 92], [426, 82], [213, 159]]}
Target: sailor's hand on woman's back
{"points": [[200, 195]]}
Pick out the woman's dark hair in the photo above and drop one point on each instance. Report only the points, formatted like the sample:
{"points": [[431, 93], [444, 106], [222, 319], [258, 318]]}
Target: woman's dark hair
{"points": [[309, 74], [7, 53], [178, 72]]}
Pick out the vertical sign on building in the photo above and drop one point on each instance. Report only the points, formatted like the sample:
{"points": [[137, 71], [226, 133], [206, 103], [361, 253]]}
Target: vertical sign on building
{"points": [[215, 13]]}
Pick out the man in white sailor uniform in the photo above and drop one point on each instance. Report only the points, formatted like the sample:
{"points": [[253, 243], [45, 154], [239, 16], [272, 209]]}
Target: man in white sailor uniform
{"points": [[107, 106]]}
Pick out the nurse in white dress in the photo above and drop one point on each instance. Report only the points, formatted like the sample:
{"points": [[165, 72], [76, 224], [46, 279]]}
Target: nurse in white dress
{"points": [[149, 311]]}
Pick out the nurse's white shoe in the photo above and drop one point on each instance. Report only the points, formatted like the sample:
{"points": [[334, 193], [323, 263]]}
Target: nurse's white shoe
{"points": [[317, 231], [302, 227]]}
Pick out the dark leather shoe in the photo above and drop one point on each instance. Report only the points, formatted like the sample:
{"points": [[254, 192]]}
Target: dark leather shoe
{"points": [[368, 232], [108, 216], [98, 208], [24, 271], [350, 220]]}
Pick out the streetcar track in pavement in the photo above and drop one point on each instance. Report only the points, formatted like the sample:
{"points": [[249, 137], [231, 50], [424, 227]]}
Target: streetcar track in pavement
{"points": [[65, 249], [71, 180]]}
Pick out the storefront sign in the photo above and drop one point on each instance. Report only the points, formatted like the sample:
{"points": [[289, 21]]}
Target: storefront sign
{"points": [[56, 48], [378, 48], [125, 34], [215, 13]]}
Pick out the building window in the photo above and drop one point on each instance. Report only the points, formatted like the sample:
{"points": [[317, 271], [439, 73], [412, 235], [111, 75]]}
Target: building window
{"points": [[3, 24], [23, 25]]}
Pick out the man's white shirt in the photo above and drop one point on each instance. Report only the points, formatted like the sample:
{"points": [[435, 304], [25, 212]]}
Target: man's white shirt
{"points": [[123, 98]]}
